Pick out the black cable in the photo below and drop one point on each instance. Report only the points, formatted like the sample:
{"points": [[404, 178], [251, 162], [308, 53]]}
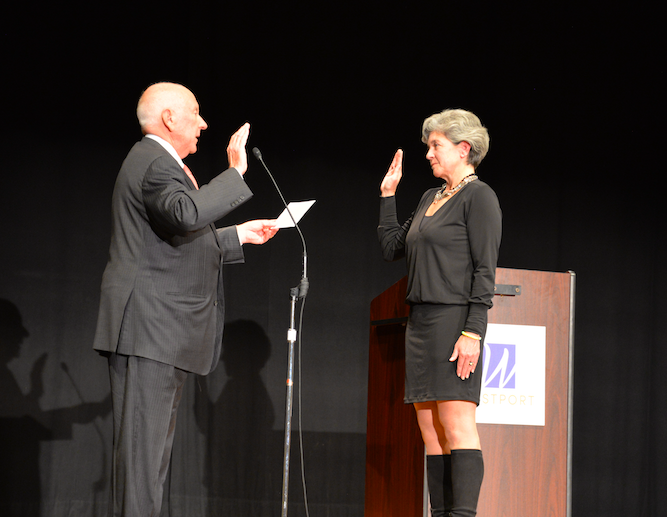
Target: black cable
{"points": [[301, 447]]}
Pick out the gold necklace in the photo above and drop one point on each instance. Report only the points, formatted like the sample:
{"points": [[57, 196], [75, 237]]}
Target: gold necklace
{"points": [[441, 194]]}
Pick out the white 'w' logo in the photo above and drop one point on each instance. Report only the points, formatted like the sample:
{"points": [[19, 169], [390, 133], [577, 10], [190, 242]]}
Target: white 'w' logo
{"points": [[499, 377]]}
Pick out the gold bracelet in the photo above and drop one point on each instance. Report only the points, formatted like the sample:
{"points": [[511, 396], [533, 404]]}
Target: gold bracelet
{"points": [[466, 334]]}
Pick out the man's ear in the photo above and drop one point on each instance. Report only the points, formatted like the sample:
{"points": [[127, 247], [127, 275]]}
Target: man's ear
{"points": [[169, 119]]}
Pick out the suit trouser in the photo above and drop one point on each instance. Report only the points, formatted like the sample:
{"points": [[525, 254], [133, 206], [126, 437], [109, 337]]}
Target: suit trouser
{"points": [[145, 398]]}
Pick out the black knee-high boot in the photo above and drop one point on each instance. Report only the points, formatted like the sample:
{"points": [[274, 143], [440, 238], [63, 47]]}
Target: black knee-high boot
{"points": [[439, 475], [467, 474]]}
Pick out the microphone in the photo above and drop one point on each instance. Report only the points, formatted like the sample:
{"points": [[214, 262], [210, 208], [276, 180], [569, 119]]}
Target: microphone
{"points": [[303, 286]]}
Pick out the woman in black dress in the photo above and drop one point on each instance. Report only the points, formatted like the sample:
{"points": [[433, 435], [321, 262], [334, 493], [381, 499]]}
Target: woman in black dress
{"points": [[451, 244]]}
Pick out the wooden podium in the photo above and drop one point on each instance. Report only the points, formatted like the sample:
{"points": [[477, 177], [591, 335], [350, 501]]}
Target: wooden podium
{"points": [[527, 468]]}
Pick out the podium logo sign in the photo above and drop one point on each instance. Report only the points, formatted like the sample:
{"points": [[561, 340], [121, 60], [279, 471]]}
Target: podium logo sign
{"points": [[501, 369], [513, 382]]}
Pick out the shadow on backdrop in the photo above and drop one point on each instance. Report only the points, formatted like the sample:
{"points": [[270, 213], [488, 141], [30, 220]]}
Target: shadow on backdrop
{"points": [[23, 424], [242, 472]]}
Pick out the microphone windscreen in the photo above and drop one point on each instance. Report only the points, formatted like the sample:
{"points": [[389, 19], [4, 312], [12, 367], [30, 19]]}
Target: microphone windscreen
{"points": [[257, 153]]}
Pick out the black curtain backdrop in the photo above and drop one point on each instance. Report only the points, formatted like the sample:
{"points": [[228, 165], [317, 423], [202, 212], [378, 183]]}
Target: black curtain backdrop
{"points": [[572, 96]]}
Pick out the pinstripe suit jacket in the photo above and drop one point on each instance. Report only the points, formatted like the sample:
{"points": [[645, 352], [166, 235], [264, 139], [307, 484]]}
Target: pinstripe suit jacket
{"points": [[162, 290]]}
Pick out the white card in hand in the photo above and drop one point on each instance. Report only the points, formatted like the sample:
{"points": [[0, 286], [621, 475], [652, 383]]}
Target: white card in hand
{"points": [[297, 209]]}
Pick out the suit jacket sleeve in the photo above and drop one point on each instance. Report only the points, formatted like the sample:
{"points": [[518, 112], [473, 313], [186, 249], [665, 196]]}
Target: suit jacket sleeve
{"points": [[174, 207], [232, 250]]}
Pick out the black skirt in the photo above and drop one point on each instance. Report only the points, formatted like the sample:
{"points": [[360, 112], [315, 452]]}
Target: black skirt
{"points": [[430, 337]]}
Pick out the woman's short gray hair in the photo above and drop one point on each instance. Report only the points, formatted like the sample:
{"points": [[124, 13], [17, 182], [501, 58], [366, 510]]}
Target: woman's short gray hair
{"points": [[460, 126]]}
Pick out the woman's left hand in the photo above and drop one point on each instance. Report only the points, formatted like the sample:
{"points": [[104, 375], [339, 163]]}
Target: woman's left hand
{"points": [[466, 351]]}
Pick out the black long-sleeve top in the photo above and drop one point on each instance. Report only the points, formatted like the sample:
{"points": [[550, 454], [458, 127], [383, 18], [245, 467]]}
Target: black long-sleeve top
{"points": [[451, 255]]}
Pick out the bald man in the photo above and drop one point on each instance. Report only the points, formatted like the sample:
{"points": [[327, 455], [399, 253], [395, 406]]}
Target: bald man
{"points": [[162, 304]]}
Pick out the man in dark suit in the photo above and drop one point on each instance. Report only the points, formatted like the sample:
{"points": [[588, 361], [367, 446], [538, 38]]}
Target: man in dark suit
{"points": [[162, 304]]}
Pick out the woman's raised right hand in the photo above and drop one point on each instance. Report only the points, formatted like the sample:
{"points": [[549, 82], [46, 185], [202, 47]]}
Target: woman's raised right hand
{"points": [[393, 177]]}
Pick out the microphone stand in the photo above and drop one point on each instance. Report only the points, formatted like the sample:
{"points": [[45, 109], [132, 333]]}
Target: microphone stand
{"points": [[296, 293]]}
